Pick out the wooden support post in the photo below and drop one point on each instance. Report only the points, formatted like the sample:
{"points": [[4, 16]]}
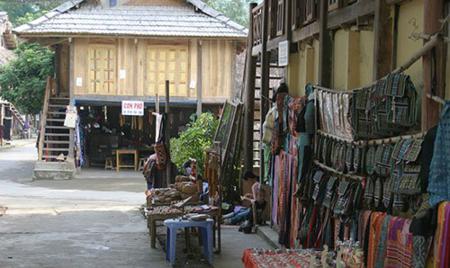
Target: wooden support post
{"points": [[265, 82], [72, 101], [382, 51], [199, 78], [249, 98], [324, 46], [433, 65], [167, 135]]}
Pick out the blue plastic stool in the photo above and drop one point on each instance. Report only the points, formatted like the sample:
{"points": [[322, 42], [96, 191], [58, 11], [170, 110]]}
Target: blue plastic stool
{"points": [[205, 227]]}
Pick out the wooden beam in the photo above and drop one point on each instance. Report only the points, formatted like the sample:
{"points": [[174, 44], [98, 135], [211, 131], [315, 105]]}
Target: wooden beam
{"points": [[167, 135], [382, 52], [305, 32], [265, 82], [273, 43], [199, 78], [325, 47], [71, 95], [433, 65], [336, 19], [249, 98]]}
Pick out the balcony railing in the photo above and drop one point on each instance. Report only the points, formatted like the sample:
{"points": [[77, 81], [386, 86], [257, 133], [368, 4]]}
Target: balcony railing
{"points": [[302, 13]]}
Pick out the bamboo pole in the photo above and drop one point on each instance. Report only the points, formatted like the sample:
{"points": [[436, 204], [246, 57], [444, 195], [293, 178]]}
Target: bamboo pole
{"points": [[332, 170]]}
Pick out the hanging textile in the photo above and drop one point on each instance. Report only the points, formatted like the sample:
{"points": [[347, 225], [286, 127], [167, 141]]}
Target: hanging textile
{"points": [[439, 177], [399, 245]]}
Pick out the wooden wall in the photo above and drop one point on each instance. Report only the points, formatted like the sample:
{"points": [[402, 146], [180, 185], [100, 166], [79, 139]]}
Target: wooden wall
{"points": [[131, 70]]}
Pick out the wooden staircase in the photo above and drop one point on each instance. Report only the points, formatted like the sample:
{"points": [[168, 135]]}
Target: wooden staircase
{"points": [[54, 138], [276, 75], [17, 116]]}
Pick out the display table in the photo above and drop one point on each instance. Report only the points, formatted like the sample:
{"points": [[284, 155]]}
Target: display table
{"points": [[120, 152], [205, 227], [264, 258], [157, 214]]}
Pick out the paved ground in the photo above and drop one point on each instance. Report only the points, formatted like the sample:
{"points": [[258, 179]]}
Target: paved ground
{"points": [[86, 222]]}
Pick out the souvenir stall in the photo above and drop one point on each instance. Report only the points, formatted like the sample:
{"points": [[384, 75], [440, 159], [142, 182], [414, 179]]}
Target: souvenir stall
{"points": [[352, 166]]}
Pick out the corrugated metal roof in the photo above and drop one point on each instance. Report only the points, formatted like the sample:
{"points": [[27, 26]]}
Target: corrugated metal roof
{"points": [[135, 21]]}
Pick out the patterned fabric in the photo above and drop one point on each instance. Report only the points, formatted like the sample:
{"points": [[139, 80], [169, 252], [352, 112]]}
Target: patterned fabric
{"points": [[381, 249], [420, 247], [399, 246], [441, 247], [376, 222], [439, 179], [263, 258]]}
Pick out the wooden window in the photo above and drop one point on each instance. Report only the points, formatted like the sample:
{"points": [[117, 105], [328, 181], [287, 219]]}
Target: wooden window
{"points": [[102, 69], [167, 63], [280, 17], [333, 4]]}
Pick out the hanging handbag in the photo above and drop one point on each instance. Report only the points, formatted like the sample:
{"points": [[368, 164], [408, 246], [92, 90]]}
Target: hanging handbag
{"points": [[370, 160], [409, 181], [349, 155], [330, 190], [378, 192], [343, 196], [369, 192], [320, 183]]}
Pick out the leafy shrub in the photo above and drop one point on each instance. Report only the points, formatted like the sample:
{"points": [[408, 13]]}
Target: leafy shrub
{"points": [[192, 142]]}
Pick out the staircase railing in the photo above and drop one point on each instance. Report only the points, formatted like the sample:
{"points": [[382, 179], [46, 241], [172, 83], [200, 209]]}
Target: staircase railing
{"points": [[43, 123]]}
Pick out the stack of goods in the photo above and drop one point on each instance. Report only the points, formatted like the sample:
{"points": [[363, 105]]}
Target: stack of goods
{"points": [[387, 108], [299, 258], [163, 196], [183, 188], [163, 210]]}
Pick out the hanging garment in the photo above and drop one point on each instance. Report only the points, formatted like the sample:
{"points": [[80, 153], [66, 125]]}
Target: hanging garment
{"points": [[268, 126], [399, 246], [439, 177], [381, 249], [426, 157], [441, 243], [376, 222]]}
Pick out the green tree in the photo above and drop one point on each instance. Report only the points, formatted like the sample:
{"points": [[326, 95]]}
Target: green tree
{"points": [[237, 10], [193, 142], [22, 11], [23, 80]]}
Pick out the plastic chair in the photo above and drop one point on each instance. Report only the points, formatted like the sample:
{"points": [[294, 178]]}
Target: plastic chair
{"points": [[206, 230]]}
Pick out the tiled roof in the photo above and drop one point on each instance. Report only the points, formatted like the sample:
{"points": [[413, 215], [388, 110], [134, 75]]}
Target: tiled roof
{"points": [[194, 19]]}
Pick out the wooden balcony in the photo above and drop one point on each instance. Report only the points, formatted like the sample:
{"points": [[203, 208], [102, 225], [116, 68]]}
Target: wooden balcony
{"points": [[302, 22]]}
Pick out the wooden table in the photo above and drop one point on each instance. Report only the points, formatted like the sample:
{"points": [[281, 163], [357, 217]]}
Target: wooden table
{"points": [[133, 152]]}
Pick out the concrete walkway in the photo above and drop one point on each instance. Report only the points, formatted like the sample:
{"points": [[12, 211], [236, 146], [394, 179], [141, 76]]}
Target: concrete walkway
{"points": [[90, 222]]}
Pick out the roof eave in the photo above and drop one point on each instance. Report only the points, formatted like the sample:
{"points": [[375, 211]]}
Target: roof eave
{"points": [[43, 35]]}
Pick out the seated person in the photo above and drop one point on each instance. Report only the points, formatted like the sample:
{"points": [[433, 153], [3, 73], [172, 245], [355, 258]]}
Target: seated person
{"points": [[256, 197]]}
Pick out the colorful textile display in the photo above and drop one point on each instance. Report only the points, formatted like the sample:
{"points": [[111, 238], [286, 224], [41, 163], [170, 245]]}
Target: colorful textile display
{"points": [[439, 179]]}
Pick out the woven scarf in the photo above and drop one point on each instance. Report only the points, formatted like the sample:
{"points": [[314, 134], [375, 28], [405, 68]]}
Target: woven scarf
{"points": [[376, 222], [399, 246]]}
